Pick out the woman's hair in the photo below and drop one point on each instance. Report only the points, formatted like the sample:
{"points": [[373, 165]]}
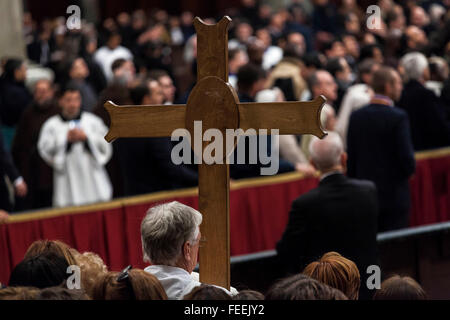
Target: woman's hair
{"points": [[53, 246], [10, 67], [91, 267], [249, 295], [337, 272], [207, 292], [62, 293], [19, 293], [41, 271], [165, 229], [136, 284], [400, 288], [302, 287]]}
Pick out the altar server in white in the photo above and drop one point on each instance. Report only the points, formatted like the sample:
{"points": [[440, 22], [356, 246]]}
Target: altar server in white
{"points": [[72, 142]]}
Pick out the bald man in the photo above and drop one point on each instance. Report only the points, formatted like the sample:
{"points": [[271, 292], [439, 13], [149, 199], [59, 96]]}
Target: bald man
{"points": [[339, 215]]}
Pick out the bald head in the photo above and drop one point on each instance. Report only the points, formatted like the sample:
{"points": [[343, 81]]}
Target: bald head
{"points": [[328, 154]]}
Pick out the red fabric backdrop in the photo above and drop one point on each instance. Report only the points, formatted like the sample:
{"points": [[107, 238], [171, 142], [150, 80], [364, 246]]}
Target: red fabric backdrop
{"points": [[258, 215]]}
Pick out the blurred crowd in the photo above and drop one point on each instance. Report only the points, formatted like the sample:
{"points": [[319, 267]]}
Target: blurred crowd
{"points": [[297, 53]]}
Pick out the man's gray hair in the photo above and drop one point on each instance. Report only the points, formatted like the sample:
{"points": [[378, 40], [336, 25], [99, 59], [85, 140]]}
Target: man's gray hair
{"points": [[326, 153], [414, 64], [165, 229]]}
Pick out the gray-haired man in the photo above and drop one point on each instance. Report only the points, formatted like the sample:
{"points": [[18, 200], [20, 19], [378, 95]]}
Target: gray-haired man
{"points": [[170, 240]]}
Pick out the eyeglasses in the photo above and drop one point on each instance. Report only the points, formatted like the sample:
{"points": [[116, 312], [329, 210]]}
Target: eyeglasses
{"points": [[123, 275]]}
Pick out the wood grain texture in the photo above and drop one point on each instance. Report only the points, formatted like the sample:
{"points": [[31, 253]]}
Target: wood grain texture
{"points": [[144, 121], [212, 48], [288, 117], [215, 228], [214, 103], [212, 61]]}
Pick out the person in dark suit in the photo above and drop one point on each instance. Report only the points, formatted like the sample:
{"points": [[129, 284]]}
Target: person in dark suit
{"points": [[9, 170], [146, 163], [427, 117], [339, 215], [380, 149], [37, 173]]}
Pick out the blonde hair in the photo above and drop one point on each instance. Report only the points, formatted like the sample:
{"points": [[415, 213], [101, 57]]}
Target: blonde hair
{"points": [[337, 272], [91, 267]]}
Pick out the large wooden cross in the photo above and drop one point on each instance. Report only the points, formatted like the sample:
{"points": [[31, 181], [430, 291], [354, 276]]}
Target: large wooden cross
{"points": [[214, 102]]}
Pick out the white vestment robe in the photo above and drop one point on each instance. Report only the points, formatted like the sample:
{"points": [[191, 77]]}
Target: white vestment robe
{"points": [[79, 176]]}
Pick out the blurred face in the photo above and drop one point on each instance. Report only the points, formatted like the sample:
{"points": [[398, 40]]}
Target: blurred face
{"points": [[352, 25], [298, 40], [419, 17], [123, 19], [394, 89], [326, 86], [264, 36], [345, 74], [70, 103], [43, 92], [351, 46], [79, 69], [416, 37], [20, 73], [337, 50], [240, 59], [114, 41], [378, 55], [156, 92], [168, 88], [244, 31]]}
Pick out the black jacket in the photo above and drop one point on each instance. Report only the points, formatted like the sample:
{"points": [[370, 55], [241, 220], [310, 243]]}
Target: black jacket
{"points": [[339, 215], [380, 149], [14, 100], [427, 117], [147, 166]]}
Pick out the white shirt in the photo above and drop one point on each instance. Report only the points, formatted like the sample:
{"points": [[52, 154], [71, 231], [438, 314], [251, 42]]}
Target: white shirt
{"points": [[178, 282], [105, 58]]}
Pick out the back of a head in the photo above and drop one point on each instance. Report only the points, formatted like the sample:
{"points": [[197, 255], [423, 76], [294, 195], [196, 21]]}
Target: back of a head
{"points": [[414, 65], [400, 288], [164, 230], [302, 287], [138, 93], [381, 77], [19, 293], [10, 67], [136, 285], [40, 271], [61, 293], [118, 63], [337, 272], [334, 65], [439, 69], [51, 246], [92, 267], [248, 295], [326, 153], [207, 292], [248, 75]]}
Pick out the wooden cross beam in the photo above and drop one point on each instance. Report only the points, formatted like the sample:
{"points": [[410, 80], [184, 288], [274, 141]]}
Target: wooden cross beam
{"points": [[214, 102]]}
